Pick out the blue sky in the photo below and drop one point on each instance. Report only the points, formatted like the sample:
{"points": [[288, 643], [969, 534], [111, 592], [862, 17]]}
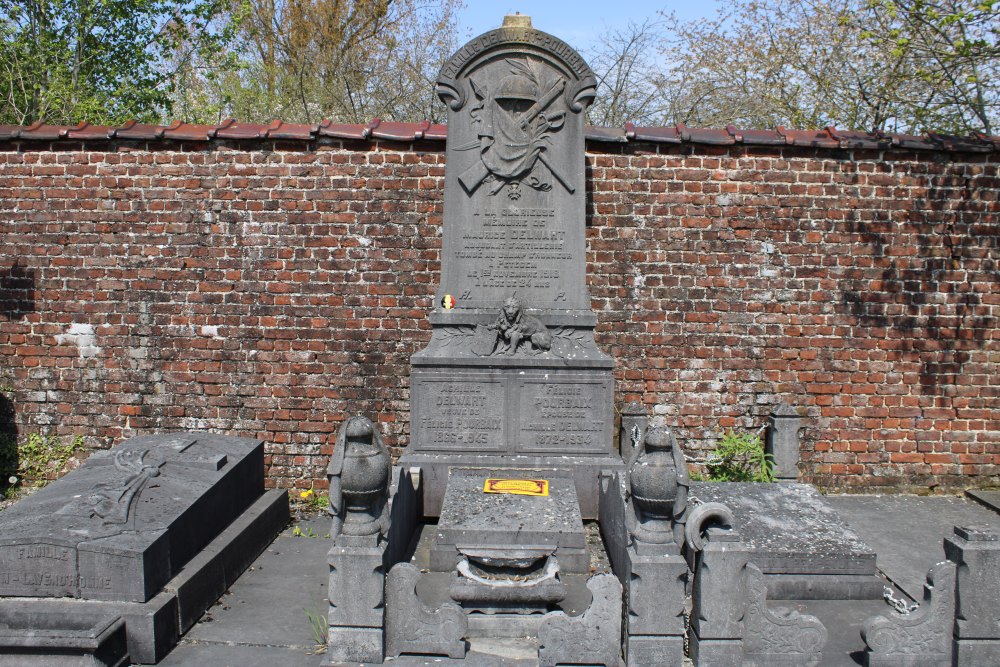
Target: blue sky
{"points": [[580, 23]]}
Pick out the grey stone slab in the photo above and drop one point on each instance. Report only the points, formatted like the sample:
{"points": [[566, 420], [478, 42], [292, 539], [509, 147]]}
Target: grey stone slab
{"points": [[208, 575], [125, 522], [268, 604], [412, 627], [61, 640], [653, 650], [988, 498], [716, 652], [594, 637], [907, 532], [790, 529], [783, 442], [843, 620], [977, 652], [777, 636], [472, 518], [514, 188], [354, 645], [206, 654], [527, 410], [150, 627]]}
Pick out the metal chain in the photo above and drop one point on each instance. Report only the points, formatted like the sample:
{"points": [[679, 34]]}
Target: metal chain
{"points": [[899, 604]]}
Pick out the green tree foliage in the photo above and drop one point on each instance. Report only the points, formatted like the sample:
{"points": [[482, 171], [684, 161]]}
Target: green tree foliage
{"points": [[103, 61], [346, 60], [891, 65], [953, 47]]}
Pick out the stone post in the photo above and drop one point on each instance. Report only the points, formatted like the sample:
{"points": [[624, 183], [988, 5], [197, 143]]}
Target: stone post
{"points": [[655, 608], [976, 551], [783, 442], [718, 601], [633, 428], [357, 593]]}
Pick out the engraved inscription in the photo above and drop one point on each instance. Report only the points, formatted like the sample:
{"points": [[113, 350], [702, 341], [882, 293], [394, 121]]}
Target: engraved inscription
{"points": [[562, 417], [461, 415], [513, 248]]}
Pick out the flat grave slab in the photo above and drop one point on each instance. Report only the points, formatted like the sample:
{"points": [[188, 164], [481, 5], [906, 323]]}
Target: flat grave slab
{"points": [[798, 539], [907, 532], [473, 519]]}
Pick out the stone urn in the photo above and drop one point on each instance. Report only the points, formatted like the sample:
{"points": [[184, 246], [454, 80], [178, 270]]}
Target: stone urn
{"points": [[359, 477], [654, 482]]}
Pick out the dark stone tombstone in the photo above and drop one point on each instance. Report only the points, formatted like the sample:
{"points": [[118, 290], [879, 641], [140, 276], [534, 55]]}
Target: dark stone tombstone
{"points": [[152, 531], [512, 376]]}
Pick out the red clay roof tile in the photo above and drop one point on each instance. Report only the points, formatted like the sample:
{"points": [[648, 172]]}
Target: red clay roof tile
{"points": [[611, 134], [661, 135], [279, 129], [830, 137], [342, 130], [179, 131], [42, 132], [230, 129], [133, 129]]}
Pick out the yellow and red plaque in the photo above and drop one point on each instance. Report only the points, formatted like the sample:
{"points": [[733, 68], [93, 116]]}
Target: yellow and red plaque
{"points": [[517, 487]]}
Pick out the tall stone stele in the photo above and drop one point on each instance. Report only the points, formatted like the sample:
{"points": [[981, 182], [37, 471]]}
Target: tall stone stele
{"points": [[512, 376]]}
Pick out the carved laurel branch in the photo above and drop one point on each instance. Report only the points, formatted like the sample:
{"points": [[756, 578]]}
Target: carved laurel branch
{"points": [[571, 340], [455, 335]]}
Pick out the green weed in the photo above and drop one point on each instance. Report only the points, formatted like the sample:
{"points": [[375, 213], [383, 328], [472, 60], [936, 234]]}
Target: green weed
{"points": [[740, 457]]}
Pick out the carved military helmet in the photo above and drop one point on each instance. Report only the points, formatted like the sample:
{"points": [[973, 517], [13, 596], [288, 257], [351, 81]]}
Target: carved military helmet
{"points": [[517, 87]]}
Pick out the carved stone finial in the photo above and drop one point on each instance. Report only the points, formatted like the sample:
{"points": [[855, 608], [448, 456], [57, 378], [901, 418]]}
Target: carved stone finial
{"points": [[411, 627], [359, 479], [657, 487], [781, 636], [593, 637], [921, 637], [516, 21], [635, 421]]}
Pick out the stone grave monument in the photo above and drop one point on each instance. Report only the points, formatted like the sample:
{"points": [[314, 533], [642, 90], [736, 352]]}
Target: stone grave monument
{"points": [[512, 376], [117, 559]]}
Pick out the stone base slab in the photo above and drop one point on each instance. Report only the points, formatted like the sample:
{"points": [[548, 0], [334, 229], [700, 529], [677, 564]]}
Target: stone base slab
{"points": [[585, 470], [29, 639]]}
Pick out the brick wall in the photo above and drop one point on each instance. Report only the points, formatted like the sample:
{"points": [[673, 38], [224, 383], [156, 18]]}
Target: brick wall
{"points": [[269, 289]]}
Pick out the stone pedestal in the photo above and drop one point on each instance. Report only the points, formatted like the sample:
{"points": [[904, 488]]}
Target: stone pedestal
{"points": [[976, 552], [717, 605], [538, 526], [357, 600]]}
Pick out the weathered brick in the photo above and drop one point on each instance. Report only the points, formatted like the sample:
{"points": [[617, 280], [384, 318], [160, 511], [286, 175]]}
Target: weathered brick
{"points": [[271, 291]]}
